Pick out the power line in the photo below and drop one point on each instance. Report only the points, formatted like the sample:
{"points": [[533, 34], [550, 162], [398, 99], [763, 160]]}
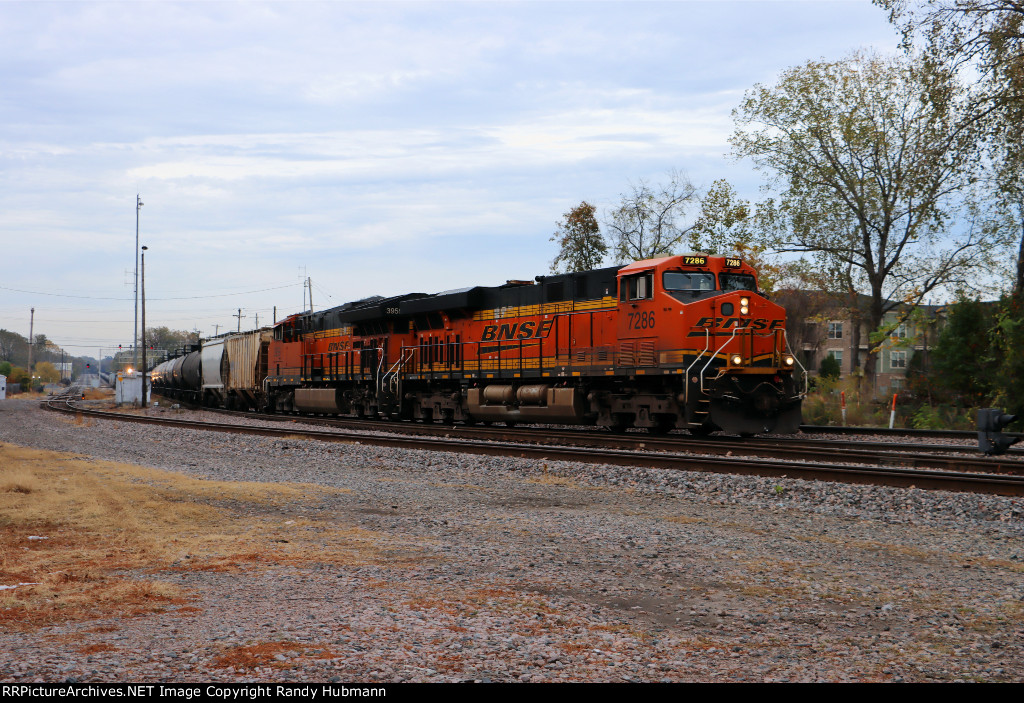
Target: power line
{"points": [[188, 297]]}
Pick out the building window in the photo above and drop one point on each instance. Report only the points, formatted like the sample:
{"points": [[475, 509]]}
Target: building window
{"points": [[837, 354], [901, 331], [899, 383], [835, 330], [898, 359]]}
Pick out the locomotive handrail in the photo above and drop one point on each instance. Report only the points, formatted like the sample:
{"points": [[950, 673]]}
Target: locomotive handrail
{"points": [[717, 352], [686, 381], [785, 336], [405, 355]]}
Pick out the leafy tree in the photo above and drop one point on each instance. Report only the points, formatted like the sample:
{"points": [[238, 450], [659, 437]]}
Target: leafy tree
{"points": [[580, 244], [723, 225], [13, 347], [5, 368], [829, 368], [649, 221], [963, 365], [726, 225], [168, 339], [871, 156], [20, 375], [1008, 347], [984, 41], [46, 372]]}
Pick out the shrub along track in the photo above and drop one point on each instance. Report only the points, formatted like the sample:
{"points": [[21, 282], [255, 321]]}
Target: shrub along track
{"points": [[722, 455]]}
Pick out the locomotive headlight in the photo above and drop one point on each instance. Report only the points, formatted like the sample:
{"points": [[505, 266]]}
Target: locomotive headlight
{"points": [[744, 306], [737, 359], [788, 361]]}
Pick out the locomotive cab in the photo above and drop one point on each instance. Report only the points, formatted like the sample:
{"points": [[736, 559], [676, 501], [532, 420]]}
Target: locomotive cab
{"points": [[703, 318]]}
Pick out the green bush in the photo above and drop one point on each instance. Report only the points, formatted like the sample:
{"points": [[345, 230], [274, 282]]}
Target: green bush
{"points": [[829, 367]]}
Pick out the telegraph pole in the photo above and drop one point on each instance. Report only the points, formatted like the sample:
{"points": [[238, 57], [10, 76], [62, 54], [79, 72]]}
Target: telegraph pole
{"points": [[135, 331], [144, 374], [31, 343], [239, 316]]}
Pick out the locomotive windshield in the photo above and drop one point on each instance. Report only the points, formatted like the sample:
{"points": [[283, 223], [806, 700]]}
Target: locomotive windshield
{"points": [[737, 281], [688, 285]]}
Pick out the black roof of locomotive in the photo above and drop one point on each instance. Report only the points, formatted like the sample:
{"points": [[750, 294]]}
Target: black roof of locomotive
{"points": [[585, 285]]}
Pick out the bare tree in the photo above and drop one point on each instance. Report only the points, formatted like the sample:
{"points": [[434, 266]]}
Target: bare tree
{"points": [[649, 222]]}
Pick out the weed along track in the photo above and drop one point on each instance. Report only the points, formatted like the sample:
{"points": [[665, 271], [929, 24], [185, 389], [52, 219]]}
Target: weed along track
{"points": [[176, 554]]}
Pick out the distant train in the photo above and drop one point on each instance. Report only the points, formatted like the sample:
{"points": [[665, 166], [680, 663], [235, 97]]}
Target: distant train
{"points": [[677, 342]]}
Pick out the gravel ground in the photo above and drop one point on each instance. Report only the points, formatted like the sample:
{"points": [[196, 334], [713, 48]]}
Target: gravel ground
{"points": [[506, 569]]}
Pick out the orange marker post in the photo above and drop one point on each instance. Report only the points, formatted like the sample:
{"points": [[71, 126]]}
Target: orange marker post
{"points": [[892, 415]]}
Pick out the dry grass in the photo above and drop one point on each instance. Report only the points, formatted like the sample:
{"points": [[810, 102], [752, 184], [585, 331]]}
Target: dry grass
{"points": [[71, 530], [265, 654]]}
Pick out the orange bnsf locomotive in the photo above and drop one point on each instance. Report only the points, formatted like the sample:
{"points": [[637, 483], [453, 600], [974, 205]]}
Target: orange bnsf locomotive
{"points": [[677, 342]]}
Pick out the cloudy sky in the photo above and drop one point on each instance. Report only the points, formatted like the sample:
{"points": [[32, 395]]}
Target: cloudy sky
{"points": [[377, 148]]}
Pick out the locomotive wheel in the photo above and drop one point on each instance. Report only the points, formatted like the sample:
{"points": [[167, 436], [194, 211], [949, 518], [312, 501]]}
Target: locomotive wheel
{"points": [[510, 423], [701, 431]]}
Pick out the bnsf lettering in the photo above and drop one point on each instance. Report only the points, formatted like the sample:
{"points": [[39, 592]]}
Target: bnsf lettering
{"points": [[726, 323], [524, 330]]}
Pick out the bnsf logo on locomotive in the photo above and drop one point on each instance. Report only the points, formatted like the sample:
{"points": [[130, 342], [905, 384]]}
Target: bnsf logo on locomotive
{"points": [[524, 330], [725, 323]]}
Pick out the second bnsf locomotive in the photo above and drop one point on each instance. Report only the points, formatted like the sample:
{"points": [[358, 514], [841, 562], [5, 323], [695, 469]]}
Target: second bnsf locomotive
{"points": [[676, 342]]}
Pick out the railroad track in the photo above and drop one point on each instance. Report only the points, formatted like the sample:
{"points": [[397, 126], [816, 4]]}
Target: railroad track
{"points": [[947, 457], [643, 452]]}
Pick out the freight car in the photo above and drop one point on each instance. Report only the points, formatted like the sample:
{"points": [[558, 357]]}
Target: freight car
{"points": [[226, 371], [677, 342]]}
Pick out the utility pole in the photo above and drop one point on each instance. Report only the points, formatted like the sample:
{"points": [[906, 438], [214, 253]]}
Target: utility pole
{"points": [[144, 374], [309, 282], [216, 329], [31, 342], [239, 316], [257, 320], [135, 331]]}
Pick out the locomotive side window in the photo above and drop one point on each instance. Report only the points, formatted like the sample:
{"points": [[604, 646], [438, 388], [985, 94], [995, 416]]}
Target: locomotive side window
{"points": [[688, 285], [688, 280], [638, 287], [737, 281]]}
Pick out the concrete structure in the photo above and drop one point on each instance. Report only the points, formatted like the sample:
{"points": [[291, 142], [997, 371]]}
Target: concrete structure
{"points": [[3, 387], [128, 390]]}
